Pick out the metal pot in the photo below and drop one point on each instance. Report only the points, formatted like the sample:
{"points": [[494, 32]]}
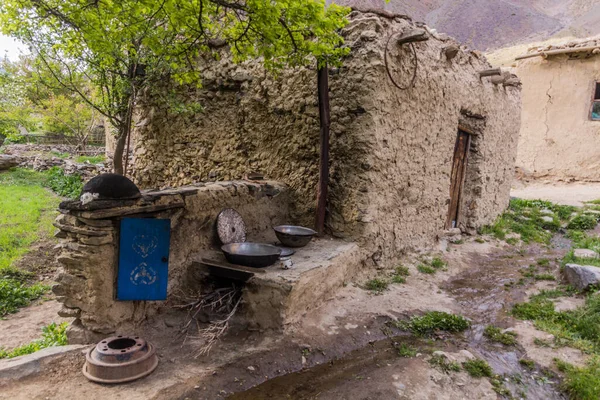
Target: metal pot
{"points": [[257, 255], [294, 236]]}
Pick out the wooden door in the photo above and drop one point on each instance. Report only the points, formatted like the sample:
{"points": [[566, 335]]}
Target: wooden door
{"points": [[457, 179]]}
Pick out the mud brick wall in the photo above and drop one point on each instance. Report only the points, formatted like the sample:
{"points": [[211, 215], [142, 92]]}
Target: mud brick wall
{"points": [[391, 149], [90, 245]]}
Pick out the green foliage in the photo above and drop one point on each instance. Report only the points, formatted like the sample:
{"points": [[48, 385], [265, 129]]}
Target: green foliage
{"points": [[434, 321], [438, 263], [583, 222], [430, 267], [60, 155], [52, 335], [426, 269], [525, 218], [581, 383], [440, 362], [527, 363], [544, 277], [478, 368], [376, 285], [495, 334], [543, 262], [65, 185], [15, 294], [91, 159], [405, 350]]}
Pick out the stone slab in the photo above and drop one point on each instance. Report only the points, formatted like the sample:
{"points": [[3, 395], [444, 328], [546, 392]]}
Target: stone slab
{"points": [[582, 276], [585, 253]]}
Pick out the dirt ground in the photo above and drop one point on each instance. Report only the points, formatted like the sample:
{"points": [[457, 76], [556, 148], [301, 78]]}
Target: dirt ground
{"points": [[345, 349], [572, 194]]}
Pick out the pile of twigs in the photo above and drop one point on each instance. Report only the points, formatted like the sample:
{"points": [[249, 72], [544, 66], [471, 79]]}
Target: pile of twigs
{"points": [[222, 303]]}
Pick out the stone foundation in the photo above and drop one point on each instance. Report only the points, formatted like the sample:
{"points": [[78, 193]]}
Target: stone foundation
{"points": [[90, 246]]}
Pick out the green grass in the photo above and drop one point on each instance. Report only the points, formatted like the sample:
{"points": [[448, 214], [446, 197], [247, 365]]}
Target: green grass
{"points": [[581, 383], [431, 267], [543, 262], [59, 155], [440, 362], [524, 217], [376, 285], [400, 274], [544, 277], [426, 269], [52, 335], [434, 321], [26, 214], [583, 222], [495, 334], [478, 368], [527, 363], [91, 159], [405, 350]]}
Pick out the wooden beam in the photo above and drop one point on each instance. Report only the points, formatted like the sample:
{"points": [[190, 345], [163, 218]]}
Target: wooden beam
{"points": [[413, 35], [490, 72], [324, 116], [557, 52]]}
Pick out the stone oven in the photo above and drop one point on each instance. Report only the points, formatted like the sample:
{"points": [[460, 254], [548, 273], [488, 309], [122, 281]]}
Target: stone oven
{"points": [[420, 143]]}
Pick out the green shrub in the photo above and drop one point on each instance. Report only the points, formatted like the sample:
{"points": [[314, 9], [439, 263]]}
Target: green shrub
{"points": [[581, 383], [376, 285], [495, 334], [15, 294], [438, 263], [478, 368], [426, 269], [435, 321], [405, 350], [52, 335], [440, 362], [64, 185], [583, 222]]}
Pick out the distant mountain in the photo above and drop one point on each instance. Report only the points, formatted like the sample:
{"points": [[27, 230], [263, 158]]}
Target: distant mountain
{"points": [[491, 24]]}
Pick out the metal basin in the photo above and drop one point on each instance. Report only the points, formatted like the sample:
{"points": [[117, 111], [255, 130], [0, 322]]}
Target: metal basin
{"points": [[294, 236], [257, 255]]}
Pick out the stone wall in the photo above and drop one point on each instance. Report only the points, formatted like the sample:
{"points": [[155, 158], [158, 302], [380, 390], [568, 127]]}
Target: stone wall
{"points": [[558, 138], [90, 238], [391, 149]]}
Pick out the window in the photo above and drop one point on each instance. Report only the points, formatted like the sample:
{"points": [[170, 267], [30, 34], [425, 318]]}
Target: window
{"points": [[596, 103]]}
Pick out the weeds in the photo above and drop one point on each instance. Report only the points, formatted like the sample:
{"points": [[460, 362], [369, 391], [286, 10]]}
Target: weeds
{"points": [[527, 363], [426, 269], [583, 222], [431, 267], [478, 368], [15, 294], [495, 334], [581, 383], [405, 350], [400, 274], [64, 185], [91, 159], [544, 277], [443, 364], [376, 285], [434, 321], [52, 335]]}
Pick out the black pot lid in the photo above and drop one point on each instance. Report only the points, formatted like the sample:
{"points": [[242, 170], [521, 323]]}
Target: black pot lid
{"points": [[112, 186], [231, 227]]}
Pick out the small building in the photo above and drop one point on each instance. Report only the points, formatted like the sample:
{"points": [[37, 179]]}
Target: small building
{"points": [[421, 142], [560, 132]]}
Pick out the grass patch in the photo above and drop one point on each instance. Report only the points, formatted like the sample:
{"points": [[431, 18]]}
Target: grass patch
{"points": [[583, 222], [426, 269], [405, 350], [495, 334], [400, 274], [376, 285], [431, 267], [478, 368], [543, 262], [26, 214], [65, 185], [59, 154], [434, 321], [581, 383], [525, 218], [443, 364], [544, 277], [527, 363], [91, 159], [52, 335]]}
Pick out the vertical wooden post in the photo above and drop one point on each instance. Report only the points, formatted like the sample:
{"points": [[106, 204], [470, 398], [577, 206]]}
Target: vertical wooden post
{"points": [[323, 89]]}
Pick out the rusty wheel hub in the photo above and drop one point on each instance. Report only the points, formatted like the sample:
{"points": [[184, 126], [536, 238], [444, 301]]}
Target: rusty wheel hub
{"points": [[120, 359]]}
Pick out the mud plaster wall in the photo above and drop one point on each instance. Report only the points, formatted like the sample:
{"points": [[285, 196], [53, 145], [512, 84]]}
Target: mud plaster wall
{"points": [[391, 150], [558, 139], [90, 236]]}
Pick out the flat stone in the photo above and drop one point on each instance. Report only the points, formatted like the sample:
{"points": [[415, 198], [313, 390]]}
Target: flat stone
{"points": [[80, 231], [585, 253], [545, 211], [547, 219], [96, 240], [582, 276], [7, 161]]}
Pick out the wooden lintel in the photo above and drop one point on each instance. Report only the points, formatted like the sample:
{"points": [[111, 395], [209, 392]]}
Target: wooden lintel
{"points": [[490, 72], [413, 35]]}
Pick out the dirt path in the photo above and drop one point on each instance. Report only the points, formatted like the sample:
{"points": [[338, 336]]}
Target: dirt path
{"points": [[572, 194], [347, 350]]}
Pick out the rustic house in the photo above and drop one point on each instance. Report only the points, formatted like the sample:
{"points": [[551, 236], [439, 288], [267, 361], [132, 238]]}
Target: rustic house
{"points": [[561, 111], [423, 140]]}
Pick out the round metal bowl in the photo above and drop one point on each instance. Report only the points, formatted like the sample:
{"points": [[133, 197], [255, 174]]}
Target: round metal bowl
{"points": [[120, 359], [257, 255], [294, 236]]}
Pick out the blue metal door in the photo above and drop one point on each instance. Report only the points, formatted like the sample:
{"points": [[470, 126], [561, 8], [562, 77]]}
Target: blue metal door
{"points": [[143, 259]]}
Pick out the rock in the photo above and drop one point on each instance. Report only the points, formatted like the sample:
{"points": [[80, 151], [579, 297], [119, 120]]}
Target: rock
{"points": [[582, 276], [545, 211], [547, 219], [7, 161], [585, 253]]}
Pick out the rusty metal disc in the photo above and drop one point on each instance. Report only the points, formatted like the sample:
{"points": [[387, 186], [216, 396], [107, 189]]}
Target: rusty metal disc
{"points": [[231, 228], [120, 359]]}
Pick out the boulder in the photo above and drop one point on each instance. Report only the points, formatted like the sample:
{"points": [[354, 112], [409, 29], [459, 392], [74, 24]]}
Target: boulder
{"points": [[7, 161], [582, 276], [585, 253]]}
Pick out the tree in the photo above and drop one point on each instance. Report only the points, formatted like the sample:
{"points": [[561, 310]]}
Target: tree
{"points": [[15, 112], [125, 46]]}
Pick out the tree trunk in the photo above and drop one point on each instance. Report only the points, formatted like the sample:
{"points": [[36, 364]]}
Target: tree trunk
{"points": [[119, 147]]}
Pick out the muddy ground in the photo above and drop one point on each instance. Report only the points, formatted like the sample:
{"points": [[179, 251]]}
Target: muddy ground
{"points": [[347, 348]]}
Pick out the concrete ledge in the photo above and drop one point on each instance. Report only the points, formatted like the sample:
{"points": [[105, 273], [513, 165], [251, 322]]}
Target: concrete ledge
{"points": [[14, 369]]}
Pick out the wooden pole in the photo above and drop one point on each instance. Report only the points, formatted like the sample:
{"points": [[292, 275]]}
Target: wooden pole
{"points": [[323, 89], [557, 52]]}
